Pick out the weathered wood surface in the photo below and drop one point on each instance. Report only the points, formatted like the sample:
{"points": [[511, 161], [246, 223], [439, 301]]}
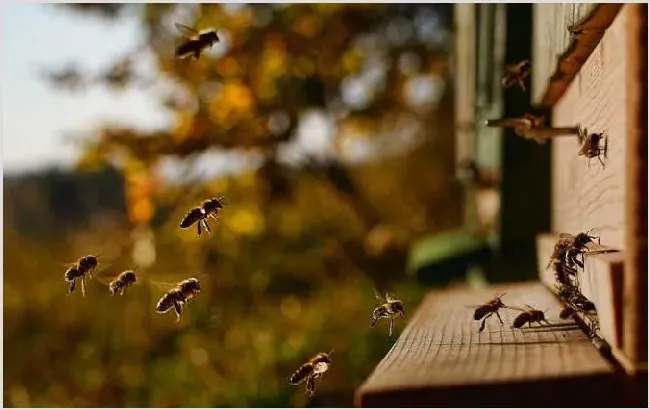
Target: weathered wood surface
{"points": [[636, 241], [586, 196], [551, 39], [601, 281], [441, 359]]}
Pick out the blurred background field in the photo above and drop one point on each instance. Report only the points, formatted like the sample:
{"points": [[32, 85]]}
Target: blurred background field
{"points": [[328, 129]]}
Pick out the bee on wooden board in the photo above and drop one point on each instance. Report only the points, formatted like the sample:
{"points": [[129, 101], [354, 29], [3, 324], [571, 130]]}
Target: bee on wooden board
{"points": [[196, 42], [563, 272], [390, 308], [78, 270], [178, 296], [529, 315], [311, 370], [515, 74], [570, 246], [487, 309], [567, 312], [590, 146], [199, 215]]}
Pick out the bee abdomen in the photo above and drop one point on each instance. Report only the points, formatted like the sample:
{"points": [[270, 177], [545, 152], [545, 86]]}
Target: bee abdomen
{"points": [[191, 218], [301, 374], [521, 320]]}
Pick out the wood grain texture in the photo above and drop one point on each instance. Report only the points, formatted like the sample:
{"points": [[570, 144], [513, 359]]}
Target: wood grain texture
{"points": [[586, 197], [441, 359], [601, 281], [551, 39], [636, 241]]}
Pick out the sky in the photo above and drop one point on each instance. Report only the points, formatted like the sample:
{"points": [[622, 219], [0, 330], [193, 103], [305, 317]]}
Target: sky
{"points": [[35, 116]]}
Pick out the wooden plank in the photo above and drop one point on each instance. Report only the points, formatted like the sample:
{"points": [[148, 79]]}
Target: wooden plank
{"points": [[636, 209], [552, 40], [465, 69], [440, 359], [601, 281], [585, 196]]}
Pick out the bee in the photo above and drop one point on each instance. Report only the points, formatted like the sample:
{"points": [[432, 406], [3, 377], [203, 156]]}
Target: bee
{"points": [[515, 74], [532, 127], [199, 215], [529, 315], [196, 43], [390, 308], [178, 297], [310, 371], [590, 146], [78, 270], [567, 312], [487, 309], [123, 281], [563, 271], [578, 246]]}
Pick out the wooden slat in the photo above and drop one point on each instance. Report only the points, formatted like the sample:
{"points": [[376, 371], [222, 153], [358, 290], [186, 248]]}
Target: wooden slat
{"points": [[585, 196], [557, 55], [601, 281], [440, 358], [636, 209]]}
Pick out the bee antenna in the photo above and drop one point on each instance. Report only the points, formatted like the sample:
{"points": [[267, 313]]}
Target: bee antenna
{"points": [[331, 351]]}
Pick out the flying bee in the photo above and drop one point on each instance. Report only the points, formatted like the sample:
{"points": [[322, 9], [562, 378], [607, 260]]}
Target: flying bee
{"points": [[118, 284], [178, 297], [196, 43], [487, 309], [590, 146], [199, 215], [390, 308], [310, 371], [515, 74], [78, 270], [529, 315]]}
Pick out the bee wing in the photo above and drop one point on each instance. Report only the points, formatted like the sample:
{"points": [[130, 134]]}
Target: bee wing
{"points": [[106, 280], [516, 308], [566, 237], [380, 296], [530, 307], [186, 31], [164, 286]]}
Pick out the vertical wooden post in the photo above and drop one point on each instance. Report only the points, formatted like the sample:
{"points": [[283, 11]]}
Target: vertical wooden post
{"points": [[635, 301]]}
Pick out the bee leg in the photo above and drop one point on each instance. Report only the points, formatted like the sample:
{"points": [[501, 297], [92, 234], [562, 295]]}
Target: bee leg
{"points": [[310, 386], [480, 329], [198, 229], [72, 285], [197, 54], [390, 327], [600, 159], [499, 316], [83, 285], [373, 322], [206, 226], [178, 308], [521, 84]]}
